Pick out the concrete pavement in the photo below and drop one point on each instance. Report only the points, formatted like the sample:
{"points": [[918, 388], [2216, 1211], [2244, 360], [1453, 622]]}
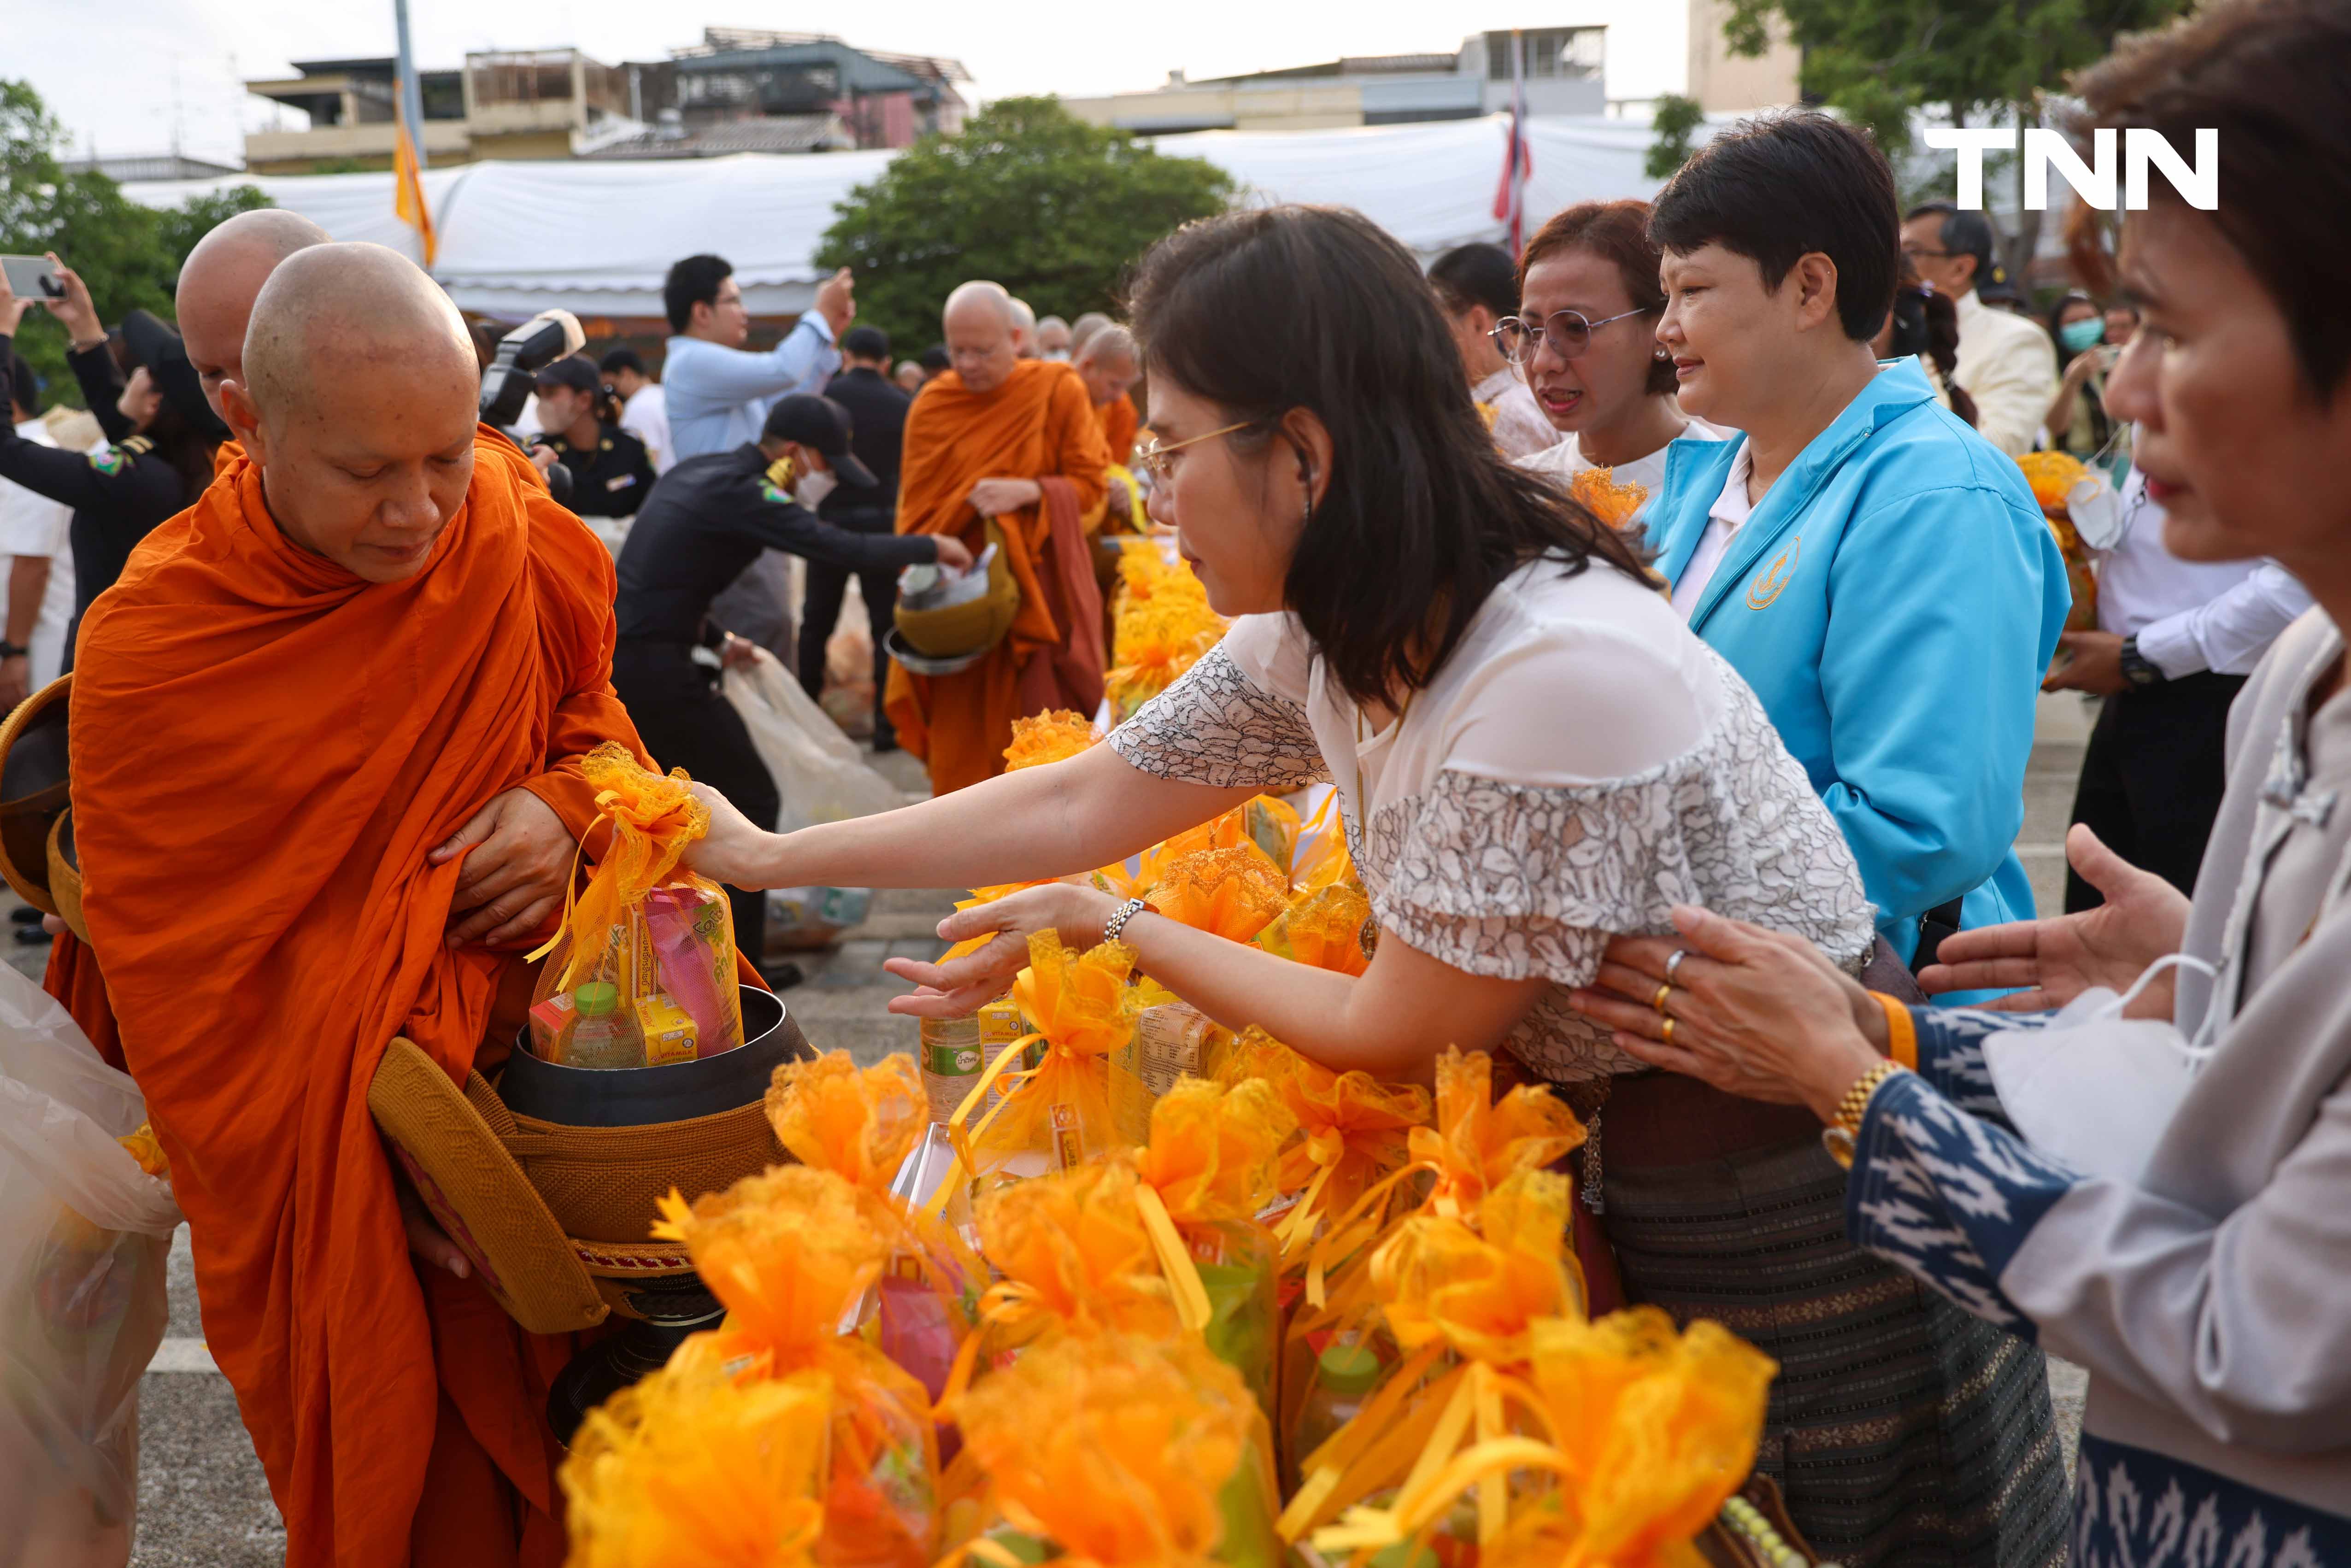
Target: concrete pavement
{"points": [[202, 1501]]}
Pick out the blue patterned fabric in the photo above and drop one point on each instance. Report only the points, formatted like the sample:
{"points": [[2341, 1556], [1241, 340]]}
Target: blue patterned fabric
{"points": [[1951, 1054], [2136, 1509], [1945, 1195]]}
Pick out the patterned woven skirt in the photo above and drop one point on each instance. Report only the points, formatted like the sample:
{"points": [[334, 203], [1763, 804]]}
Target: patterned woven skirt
{"points": [[1902, 1430]]}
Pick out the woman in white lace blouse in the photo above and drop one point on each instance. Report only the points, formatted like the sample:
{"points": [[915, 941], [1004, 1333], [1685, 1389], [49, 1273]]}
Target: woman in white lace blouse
{"points": [[1530, 750]]}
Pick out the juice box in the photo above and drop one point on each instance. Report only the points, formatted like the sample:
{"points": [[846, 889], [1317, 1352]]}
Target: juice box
{"points": [[669, 1031], [550, 1026]]}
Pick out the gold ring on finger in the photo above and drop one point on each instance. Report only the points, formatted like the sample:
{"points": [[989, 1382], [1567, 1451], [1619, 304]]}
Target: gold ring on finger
{"points": [[1658, 1001], [1666, 1036]]}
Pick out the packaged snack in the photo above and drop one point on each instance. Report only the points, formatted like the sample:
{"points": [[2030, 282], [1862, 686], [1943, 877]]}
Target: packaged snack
{"points": [[667, 1028], [602, 1036], [550, 1026], [690, 929], [1172, 1039]]}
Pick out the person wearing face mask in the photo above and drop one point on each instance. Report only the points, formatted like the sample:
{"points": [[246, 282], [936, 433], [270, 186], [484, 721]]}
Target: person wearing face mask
{"points": [[707, 520], [163, 431], [1054, 340], [1584, 336], [1476, 286], [2174, 1213], [611, 472], [2076, 421]]}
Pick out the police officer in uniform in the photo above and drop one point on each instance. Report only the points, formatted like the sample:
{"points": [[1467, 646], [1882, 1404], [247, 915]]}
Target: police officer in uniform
{"points": [[162, 436], [611, 472], [706, 522]]}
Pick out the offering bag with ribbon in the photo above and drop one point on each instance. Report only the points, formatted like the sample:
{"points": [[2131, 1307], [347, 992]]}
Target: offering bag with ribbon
{"points": [[1461, 1293], [1082, 1010], [1207, 1172], [691, 1465], [1330, 928], [1054, 735], [790, 1253], [1113, 1450], [861, 1124], [642, 971]]}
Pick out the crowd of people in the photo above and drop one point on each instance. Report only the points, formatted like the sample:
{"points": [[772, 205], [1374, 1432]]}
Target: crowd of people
{"points": [[1665, 606]]}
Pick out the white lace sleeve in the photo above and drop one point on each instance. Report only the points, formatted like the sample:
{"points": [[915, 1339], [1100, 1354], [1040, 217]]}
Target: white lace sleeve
{"points": [[1514, 880], [1216, 725]]}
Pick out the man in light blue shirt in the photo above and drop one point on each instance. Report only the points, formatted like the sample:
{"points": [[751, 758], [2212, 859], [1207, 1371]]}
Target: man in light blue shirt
{"points": [[717, 394]]}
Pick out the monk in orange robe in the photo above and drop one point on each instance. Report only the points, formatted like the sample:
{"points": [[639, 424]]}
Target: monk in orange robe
{"points": [[218, 283], [1109, 366], [362, 667], [1016, 440]]}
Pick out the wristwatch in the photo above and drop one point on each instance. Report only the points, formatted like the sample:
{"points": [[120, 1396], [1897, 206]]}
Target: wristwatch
{"points": [[2137, 668], [1838, 1137], [14, 650]]}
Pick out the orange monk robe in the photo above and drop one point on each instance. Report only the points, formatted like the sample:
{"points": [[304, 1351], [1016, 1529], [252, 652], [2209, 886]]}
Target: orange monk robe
{"points": [[1120, 422], [1040, 424], [265, 751]]}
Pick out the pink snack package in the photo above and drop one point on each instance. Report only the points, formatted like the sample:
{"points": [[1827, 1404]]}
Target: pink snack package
{"points": [[692, 933]]}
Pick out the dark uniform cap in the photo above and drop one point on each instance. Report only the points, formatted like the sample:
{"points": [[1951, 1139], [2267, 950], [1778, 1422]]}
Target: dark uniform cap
{"points": [[822, 425], [574, 370]]}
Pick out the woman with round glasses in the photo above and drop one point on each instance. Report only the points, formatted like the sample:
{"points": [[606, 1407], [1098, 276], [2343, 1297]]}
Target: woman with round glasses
{"points": [[1530, 752], [1585, 339]]}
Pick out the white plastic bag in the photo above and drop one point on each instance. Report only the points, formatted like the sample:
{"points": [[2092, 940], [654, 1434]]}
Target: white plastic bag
{"points": [[820, 774], [84, 1233]]}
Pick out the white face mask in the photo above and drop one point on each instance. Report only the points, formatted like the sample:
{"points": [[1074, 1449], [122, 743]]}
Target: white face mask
{"points": [[1060, 356], [2095, 1089], [814, 488]]}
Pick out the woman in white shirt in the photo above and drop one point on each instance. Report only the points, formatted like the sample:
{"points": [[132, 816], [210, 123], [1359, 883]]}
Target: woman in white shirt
{"points": [[1585, 338], [1477, 286], [1531, 751]]}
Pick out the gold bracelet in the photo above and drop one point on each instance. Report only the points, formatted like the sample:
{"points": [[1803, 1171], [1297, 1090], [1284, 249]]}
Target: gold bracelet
{"points": [[1839, 1135]]}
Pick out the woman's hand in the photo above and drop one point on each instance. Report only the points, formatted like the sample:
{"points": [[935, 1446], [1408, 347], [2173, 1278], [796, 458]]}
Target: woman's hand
{"points": [[957, 988], [1756, 1013], [2056, 959], [736, 850], [13, 307], [75, 309]]}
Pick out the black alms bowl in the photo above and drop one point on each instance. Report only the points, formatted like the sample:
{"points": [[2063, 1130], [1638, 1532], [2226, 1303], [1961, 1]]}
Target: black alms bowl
{"points": [[642, 1096]]}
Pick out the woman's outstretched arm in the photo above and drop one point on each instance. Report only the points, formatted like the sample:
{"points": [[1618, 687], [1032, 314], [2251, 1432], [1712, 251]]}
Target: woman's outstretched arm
{"points": [[1028, 826]]}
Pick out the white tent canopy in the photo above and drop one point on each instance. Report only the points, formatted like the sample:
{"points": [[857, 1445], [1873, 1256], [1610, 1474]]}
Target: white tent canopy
{"points": [[596, 237]]}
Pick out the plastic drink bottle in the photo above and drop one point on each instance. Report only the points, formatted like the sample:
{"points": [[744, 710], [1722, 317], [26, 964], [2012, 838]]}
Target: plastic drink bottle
{"points": [[603, 1035]]}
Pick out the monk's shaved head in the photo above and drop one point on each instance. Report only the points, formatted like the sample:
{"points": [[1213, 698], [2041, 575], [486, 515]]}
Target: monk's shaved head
{"points": [[982, 328], [1109, 364], [350, 310], [221, 279], [357, 403], [1024, 329], [1085, 326]]}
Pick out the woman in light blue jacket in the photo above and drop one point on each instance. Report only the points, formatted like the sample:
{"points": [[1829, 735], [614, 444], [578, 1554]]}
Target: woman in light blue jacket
{"points": [[1878, 573]]}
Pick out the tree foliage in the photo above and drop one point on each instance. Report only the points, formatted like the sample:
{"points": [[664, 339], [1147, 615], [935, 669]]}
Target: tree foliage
{"points": [[1877, 61], [129, 254], [1673, 123], [1054, 209]]}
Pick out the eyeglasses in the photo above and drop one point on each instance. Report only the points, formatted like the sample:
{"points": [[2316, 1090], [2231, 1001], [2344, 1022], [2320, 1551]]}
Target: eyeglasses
{"points": [[1153, 458], [1569, 333]]}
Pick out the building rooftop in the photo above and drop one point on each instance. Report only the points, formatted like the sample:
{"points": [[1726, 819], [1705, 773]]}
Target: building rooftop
{"points": [[776, 133]]}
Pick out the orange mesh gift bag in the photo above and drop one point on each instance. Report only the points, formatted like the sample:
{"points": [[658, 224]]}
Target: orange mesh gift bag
{"points": [[1125, 1452], [1052, 737], [1330, 929], [1083, 1009], [1479, 1142], [694, 1467], [790, 1253]]}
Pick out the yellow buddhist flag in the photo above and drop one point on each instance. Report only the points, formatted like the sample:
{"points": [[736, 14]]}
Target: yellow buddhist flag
{"points": [[408, 189]]}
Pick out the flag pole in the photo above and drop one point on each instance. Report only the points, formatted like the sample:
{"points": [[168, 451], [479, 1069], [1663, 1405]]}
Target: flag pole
{"points": [[411, 91]]}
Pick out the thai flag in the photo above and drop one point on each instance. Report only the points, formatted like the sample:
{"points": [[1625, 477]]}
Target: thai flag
{"points": [[1518, 158]]}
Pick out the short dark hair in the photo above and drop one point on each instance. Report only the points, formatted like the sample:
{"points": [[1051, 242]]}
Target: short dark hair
{"points": [[1615, 232], [1776, 188], [1471, 275], [867, 343], [1964, 234], [1267, 311], [691, 282], [618, 360], [23, 387], [2267, 74], [936, 359]]}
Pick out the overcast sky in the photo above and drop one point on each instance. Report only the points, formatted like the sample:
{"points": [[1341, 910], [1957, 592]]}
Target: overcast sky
{"points": [[112, 70]]}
